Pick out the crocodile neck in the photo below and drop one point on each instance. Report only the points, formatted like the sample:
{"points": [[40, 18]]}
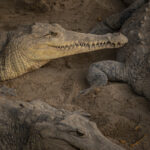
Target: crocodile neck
{"points": [[16, 63]]}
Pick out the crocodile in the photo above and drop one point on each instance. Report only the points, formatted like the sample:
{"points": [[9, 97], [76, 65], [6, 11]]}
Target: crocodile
{"points": [[132, 63], [31, 46], [38, 126]]}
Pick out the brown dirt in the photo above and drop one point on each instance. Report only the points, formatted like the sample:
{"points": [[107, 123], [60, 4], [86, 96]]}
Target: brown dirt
{"points": [[119, 113]]}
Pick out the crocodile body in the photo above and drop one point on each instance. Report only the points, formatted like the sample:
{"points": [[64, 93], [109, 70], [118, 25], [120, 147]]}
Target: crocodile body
{"points": [[133, 60], [30, 47]]}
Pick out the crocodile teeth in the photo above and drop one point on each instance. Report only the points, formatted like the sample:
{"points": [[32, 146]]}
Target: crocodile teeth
{"points": [[89, 45]]}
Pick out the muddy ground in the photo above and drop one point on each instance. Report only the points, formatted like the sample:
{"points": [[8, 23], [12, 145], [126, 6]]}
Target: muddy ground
{"points": [[120, 114]]}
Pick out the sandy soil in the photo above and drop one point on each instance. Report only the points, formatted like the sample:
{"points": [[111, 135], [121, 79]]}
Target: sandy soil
{"points": [[119, 113]]}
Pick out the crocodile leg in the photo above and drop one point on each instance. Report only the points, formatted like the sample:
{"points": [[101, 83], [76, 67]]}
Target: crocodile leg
{"points": [[100, 72], [113, 23]]}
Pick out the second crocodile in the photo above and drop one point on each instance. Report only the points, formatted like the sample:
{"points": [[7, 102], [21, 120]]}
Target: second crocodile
{"points": [[133, 60]]}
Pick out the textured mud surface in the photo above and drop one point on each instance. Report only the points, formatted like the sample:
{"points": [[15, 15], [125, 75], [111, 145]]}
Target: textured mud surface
{"points": [[120, 114]]}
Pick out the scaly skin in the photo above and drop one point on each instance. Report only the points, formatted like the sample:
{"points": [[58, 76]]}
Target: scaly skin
{"points": [[38, 126], [133, 60], [114, 23], [30, 47]]}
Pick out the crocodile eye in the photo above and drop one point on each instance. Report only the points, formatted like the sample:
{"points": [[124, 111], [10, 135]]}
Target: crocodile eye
{"points": [[53, 33]]}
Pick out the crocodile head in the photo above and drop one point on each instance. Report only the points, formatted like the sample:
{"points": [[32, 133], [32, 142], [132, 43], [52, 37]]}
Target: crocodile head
{"points": [[50, 41], [32, 46]]}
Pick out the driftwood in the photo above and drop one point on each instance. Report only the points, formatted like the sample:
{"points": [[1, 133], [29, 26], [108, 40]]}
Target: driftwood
{"points": [[38, 126]]}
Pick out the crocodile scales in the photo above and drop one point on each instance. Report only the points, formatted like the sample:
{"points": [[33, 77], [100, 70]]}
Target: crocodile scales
{"points": [[133, 60]]}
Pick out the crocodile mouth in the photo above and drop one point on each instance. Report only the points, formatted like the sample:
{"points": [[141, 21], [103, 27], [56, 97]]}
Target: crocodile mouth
{"points": [[89, 45]]}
